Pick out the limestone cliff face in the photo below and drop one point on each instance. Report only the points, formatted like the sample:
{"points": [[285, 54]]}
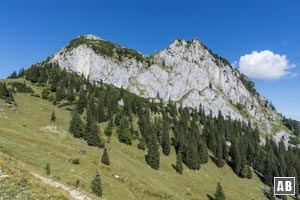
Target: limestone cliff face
{"points": [[186, 72]]}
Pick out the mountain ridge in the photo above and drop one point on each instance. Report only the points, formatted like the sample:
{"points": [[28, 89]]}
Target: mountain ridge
{"points": [[187, 72]]}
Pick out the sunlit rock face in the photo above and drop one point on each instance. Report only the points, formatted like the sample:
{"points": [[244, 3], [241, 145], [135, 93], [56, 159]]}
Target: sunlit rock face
{"points": [[185, 72]]}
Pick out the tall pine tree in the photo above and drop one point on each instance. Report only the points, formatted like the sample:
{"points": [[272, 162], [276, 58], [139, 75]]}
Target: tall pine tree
{"points": [[165, 138], [76, 125], [96, 185], [152, 157], [92, 132], [105, 158], [219, 154], [202, 151], [178, 166], [219, 195], [235, 157]]}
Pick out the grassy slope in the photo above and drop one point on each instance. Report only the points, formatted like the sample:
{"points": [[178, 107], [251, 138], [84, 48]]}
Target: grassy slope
{"points": [[23, 138], [22, 185]]}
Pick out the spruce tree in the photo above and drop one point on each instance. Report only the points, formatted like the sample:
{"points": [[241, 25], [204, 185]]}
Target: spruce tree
{"points": [[105, 158], [126, 136], [236, 159], [203, 152], [93, 138], [70, 94], [96, 185], [91, 132], [53, 117], [219, 154], [249, 173], [219, 194], [246, 172], [269, 167], [77, 183], [5, 93], [13, 75], [47, 169], [225, 151], [76, 125], [191, 148], [142, 144], [152, 158], [100, 111], [178, 166], [60, 93], [45, 94], [82, 101], [166, 139], [192, 157], [108, 129]]}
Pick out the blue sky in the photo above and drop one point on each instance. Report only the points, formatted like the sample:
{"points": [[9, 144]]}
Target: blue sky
{"points": [[32, 30]]}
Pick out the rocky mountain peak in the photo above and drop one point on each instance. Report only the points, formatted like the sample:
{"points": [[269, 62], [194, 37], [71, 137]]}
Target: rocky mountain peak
{"points": [[186, 45], [186, 72], [91, 37]]}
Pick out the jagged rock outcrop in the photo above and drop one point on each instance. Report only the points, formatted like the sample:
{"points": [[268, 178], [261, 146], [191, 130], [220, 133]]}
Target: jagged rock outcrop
{"points": [[186, 72]]}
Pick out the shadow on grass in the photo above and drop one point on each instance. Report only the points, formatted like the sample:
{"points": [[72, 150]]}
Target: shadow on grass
{"points": [[260, 176], [209, 197]]}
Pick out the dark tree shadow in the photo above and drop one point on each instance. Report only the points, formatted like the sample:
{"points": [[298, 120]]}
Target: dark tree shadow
{"points": [[209, 197], [260, 176], [174, 167], [213, 159]]}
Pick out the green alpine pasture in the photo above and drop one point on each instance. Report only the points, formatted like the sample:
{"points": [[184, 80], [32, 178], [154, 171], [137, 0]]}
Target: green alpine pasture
{"points": [[29, 136]]}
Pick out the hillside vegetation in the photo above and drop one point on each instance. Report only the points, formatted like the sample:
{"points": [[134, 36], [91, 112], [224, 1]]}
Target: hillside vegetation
{"points": [[152, 150], [28, 135]]}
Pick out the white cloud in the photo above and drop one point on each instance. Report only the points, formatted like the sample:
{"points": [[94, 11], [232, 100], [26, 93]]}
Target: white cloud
{"points": [[265, 65]]}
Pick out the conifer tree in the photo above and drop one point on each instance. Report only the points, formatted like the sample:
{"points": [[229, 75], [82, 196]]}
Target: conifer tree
{"points": [[13, 75], [45, 94], [124, 133], [203, 152], [246, 172], [192, 157], [219, 194], [225, 151], [166, 139], [178, 166], [100, 111], [77, 183], [152, 157], [60, 93], [126, 136], [236, 159], [70, 94], [76, 125], [269, 167], [105, 158], [142, 144], [47, 169], [92, 131], [249, 173], [82, 101], [108, 129], [219, 154], [96, 185], [53, 117], [5, 93]]}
